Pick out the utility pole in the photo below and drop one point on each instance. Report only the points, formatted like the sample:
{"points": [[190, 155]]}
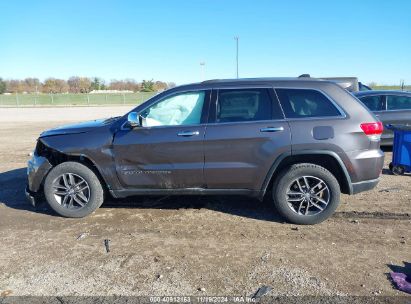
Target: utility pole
{"points": [[202, 65], [236, 39]]}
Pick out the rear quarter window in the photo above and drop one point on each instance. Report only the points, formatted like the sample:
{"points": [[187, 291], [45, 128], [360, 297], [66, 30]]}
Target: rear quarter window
{"points": [[305, 103]]}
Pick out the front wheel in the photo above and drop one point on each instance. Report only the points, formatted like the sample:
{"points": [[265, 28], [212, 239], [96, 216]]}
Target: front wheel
{"points": [[306, 194], [73, 190]]}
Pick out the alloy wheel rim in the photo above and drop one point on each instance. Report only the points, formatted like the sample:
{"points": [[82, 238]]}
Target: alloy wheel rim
{"points": [[71, 191], [308, 195]]}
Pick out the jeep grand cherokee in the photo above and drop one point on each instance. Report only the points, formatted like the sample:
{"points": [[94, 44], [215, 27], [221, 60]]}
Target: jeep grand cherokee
{"points": [[300, 140]]}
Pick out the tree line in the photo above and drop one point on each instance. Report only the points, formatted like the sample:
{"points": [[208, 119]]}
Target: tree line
{"points": [[78, 84]]}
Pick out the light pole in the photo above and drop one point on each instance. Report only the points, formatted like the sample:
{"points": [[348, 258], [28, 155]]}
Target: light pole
{"points": [[236, 39], [202, 65]]}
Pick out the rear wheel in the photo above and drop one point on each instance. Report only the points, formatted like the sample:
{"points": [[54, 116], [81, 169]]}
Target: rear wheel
{"points": [[306, 194], [73, 190], [397, 170]]}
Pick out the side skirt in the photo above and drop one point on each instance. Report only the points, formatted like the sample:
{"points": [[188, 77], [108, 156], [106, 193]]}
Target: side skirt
{"points": [[187, 191]]}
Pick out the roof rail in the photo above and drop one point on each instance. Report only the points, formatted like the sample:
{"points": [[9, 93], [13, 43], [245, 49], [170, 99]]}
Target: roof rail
{"points": [[210, 80]]}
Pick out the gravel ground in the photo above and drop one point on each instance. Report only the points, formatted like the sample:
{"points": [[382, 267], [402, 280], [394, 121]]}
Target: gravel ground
{"points": [[190, 245]]}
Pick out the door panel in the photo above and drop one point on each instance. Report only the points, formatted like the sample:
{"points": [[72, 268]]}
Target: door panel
{"points": [[239, 155], [245, 136], [167, 151], [160, 157]]}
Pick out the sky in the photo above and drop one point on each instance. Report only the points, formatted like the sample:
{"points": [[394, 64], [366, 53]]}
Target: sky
{"points": [[167, 40]]}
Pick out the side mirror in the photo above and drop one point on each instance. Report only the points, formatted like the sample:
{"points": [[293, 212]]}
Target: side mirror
{"points": [[133, 120]]}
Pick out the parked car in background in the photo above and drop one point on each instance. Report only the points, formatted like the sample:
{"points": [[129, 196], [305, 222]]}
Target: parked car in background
{"points": [[351, 84], [391, 107], [300, 141]]}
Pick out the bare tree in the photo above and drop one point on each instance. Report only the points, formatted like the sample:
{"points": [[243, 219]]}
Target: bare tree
{"points": [[372, 84], [85, 85], [74, 84], [53, 85], [171, 85], [31, 85], [127, 84], [160, 86], [79, 84], [14, 86]]}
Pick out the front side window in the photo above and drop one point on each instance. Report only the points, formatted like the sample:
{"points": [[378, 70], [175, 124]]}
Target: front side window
{"points": [[177, 110], [302, 103], [372, 102], [398, 102], [236, 105]]}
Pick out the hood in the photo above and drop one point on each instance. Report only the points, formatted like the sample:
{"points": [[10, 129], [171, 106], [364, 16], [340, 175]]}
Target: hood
{"points": [[81, 127]]}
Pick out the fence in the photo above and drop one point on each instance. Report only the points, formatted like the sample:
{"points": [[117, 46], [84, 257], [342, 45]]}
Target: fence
{"points": [[24, 100]]}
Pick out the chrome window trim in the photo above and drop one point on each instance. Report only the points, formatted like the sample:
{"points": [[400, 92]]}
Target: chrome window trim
{"points": [[342, 115], [124, 128], [247, 122]]}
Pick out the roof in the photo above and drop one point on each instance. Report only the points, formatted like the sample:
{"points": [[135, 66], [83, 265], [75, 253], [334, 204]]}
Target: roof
{"points": [[382, 92], [207, 84], [261, 79]]}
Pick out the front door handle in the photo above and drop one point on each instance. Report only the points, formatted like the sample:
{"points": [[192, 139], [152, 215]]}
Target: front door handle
{"points": [[272, 129], [188, 133]]}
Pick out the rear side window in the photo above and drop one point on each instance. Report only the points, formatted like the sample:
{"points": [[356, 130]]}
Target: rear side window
{"points": [[236, 105], [372, 102], [302, 103], [398, 102]]}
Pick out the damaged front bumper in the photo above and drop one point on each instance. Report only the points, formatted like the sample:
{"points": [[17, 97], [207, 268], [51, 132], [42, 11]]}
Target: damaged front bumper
{"points": [[30, 196], [37, 169]]}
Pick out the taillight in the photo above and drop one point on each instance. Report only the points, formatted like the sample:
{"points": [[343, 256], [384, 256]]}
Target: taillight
{"points": [[373, 129]]}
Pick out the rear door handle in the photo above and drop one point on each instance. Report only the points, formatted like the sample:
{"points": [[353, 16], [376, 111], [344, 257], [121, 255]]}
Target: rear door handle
{"points": [[188, 133], [272, 129]]}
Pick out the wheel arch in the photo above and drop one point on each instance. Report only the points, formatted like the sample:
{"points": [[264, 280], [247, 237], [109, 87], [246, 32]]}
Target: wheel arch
{"points": [[56, 157], [327, 159]]}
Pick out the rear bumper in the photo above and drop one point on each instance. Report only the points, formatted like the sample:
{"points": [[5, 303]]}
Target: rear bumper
{"points": [[364, 167], [364, 186]]}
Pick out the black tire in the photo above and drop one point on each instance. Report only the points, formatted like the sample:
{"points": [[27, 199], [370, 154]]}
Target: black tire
{"points": [[288, 179], [397, 170], [94, 191]]}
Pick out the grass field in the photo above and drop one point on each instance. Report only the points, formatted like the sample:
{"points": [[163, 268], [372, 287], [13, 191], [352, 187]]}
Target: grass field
{"points": [[73, 99], [391, 87]]}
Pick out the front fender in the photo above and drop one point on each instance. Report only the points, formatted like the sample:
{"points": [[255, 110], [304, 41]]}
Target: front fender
{"points": [[94, 146]]}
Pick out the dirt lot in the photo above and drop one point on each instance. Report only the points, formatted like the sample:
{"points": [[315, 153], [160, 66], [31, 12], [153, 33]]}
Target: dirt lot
{"points": [[191, 245]]}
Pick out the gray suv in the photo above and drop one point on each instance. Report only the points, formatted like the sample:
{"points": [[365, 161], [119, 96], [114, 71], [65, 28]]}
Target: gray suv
{"points": [[298, 140]]}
